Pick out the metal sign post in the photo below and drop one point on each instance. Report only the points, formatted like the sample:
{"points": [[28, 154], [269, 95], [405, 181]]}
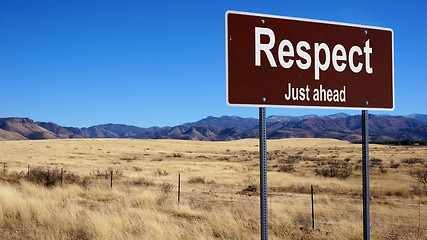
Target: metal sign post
{"points": [[263, 172], [365, 174]]}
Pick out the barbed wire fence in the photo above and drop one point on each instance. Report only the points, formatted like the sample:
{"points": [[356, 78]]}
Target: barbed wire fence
{"points": [[418, 216]]}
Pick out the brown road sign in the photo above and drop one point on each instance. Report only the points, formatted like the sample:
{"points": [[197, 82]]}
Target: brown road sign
{"points": [[291, 62]]}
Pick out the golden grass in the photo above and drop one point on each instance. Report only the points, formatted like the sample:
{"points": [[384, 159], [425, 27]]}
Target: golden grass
{"points": [[142, 203]]}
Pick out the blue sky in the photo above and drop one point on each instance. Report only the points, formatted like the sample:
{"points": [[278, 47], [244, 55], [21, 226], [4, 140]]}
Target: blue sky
{"points": [[159, 63]]}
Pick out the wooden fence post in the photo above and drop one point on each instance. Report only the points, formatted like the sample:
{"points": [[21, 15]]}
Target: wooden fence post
{"points": [[179, 188], [312, 207], [111, 183]]}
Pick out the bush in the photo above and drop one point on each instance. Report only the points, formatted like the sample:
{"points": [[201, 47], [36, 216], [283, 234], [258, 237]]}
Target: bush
{"points": [[335, 168], [294, 159], [394, 165], [160, 173], [42, 177], [100, 174], [419, 190], [107, 173], [49, 177], [376, 161], [413, 160], [143, 182], [251, 188], [197, 180], [71, 178], [165, 189], [382, 170], [287, 168], [130, 158], [419, 175], [137, 169]]}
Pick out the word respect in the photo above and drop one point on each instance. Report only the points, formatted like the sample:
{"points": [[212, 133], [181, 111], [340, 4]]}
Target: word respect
{"points": [[286, 53]]}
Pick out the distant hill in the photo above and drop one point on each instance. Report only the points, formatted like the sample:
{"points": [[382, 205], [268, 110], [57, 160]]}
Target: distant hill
{"points": [[276, 118], [338, 126], [121, 130], [63, 132], [421, 117], [8, 135], [116, 131], [22, 128], [227, 122]]}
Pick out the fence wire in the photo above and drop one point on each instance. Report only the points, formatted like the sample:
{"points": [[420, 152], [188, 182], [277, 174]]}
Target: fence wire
{"points": [[419, 209]]}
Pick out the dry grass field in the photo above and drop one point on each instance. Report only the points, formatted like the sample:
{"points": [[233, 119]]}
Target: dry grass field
{"points": [[219, 189]]}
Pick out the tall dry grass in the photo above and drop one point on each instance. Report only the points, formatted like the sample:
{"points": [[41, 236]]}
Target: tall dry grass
{"points": [[143, 201]]}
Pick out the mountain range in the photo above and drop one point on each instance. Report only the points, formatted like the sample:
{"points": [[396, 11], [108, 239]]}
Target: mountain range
{"points": [[341, 126]]}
